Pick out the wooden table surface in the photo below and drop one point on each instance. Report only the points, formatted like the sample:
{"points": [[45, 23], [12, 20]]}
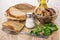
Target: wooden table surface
{"points": [[6, 36], [54, 36]]}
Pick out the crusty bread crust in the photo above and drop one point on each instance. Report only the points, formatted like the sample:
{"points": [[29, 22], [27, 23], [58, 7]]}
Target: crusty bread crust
{"points": [[13, 13], [13, 17], [15, 26], [25, 7], [23, 12]]}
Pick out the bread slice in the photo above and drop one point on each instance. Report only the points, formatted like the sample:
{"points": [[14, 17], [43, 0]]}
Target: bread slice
{"points": [[15, 26], [18, 12], [15, 12]]}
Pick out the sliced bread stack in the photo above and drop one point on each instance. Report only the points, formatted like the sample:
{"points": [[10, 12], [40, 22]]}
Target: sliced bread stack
{"points": [[14, 26]]}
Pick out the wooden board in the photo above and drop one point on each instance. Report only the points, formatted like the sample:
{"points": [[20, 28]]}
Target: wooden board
{"points": [[6, 36]]}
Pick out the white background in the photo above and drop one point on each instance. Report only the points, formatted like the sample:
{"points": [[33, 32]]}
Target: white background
{"points": [[5, 4]]}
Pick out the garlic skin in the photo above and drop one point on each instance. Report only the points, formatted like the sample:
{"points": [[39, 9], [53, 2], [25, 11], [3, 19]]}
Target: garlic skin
{"points": [[29, 21]]}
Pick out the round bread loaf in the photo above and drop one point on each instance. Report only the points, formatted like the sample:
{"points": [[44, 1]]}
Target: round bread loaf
{"points": [[18, 12]]}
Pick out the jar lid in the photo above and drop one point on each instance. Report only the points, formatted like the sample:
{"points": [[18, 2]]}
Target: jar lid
{"points": [[29, 14]]}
